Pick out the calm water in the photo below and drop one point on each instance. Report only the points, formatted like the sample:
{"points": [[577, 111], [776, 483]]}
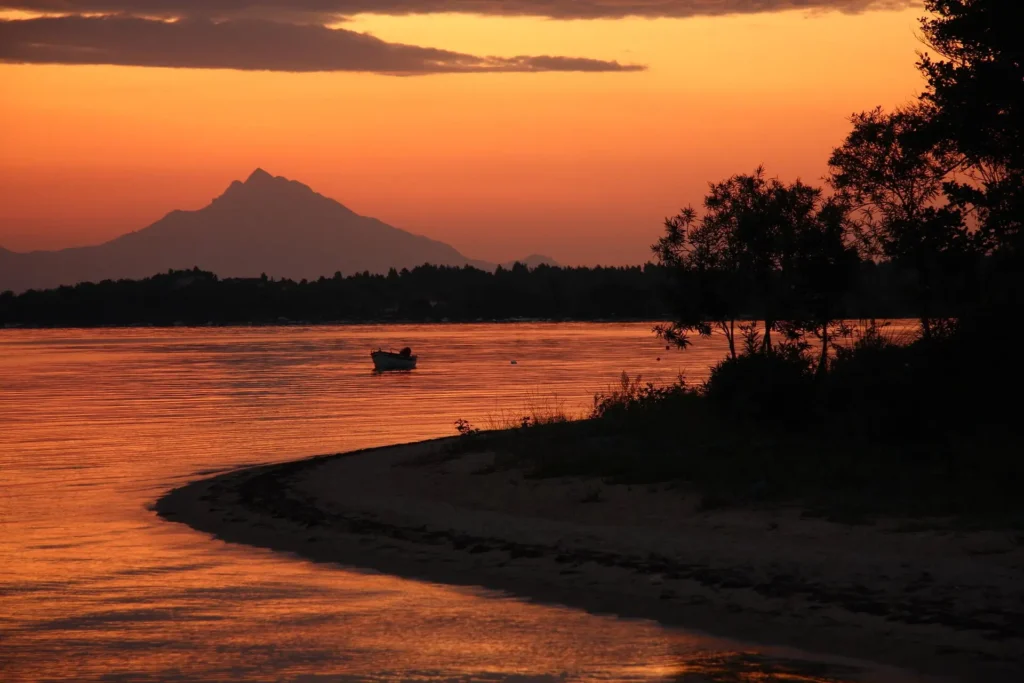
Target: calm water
{"points": [[95, 425]]}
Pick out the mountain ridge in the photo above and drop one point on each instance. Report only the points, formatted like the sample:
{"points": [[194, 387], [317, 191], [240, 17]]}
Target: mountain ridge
{"points": [[266, 224]]}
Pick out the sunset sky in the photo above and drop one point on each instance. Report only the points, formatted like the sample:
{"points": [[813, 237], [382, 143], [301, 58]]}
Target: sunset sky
{"points": [[568, 128]]}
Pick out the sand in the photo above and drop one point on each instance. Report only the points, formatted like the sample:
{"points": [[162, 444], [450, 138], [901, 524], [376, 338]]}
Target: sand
{"points": [[941, 601]]}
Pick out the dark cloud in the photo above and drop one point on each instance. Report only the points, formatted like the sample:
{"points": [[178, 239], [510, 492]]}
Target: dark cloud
{"points": [[249, 45], [291, 35], [320, 11]]}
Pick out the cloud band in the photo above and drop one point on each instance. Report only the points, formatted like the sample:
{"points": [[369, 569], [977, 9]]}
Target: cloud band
{"points": [[296, 35], [323, 11], [248, 44]]}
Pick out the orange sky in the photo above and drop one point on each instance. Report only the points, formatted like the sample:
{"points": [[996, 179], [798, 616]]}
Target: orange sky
{"points": [[580, 166]]}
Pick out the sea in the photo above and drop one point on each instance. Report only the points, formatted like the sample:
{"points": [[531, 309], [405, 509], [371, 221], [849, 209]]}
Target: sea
{"points": [[97, 424]]}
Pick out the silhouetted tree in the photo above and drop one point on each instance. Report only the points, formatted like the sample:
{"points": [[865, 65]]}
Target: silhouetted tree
{"points": [[824, 269], [893, 177], [761, 246], [768, 218], [975, 95], [704, 261]]}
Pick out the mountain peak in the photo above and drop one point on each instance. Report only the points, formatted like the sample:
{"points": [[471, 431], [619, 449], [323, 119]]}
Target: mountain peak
{"points": [[258, 183], [257, 176]]}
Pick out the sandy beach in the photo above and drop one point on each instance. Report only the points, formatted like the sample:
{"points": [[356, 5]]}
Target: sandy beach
{"points": [[945, 602]]}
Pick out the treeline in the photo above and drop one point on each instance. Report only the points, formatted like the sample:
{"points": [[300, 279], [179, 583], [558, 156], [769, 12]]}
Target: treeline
{"points": [[424, 294]]}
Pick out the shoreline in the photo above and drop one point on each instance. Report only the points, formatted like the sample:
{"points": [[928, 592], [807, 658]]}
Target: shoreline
{"points": [[937, 603]]}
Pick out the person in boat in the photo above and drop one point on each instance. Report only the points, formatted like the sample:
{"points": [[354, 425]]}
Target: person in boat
{"points": [[405, 352]]}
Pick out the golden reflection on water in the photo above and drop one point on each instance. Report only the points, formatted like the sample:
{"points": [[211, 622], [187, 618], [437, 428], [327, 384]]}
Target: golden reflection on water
{"points": [[95, 425]]}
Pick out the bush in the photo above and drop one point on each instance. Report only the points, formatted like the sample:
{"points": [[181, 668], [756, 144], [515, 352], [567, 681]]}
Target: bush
{"points": [[922, 390], [775, 386], [634, 396]]}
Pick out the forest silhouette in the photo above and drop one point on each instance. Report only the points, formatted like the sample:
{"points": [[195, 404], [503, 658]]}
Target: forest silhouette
{"points": [[426, 293]]}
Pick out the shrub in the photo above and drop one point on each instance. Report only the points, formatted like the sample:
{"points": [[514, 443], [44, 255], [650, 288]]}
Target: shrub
{"points": [[763, 386], [634, 396], [464, 428]]}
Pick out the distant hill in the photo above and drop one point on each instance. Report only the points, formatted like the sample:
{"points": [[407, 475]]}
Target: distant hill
{"points": [[266, 225]]}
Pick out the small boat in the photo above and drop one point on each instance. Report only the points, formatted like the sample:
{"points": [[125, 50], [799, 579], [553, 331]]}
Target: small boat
{"points": [[389, 360]]}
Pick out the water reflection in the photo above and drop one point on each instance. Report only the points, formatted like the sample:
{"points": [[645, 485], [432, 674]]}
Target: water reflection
{"points": [[97, 424]]}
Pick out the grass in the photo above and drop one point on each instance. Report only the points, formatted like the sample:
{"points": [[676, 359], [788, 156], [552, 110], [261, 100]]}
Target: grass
{"points": [[537, 410]]}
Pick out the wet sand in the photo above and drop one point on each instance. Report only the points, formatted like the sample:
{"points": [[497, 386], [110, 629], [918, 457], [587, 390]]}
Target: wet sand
{"points": [[944, 602]]}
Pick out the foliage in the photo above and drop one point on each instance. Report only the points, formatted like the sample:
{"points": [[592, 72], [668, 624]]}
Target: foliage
{"points": [[464, 428], [824, 266], [894, 428], [775, 386], [537, 410], [894, 178], [423, 294], [703, 260], [934, 190], [975, 91], [941, 182], [633, 395], [891, 174], [782, 250]]}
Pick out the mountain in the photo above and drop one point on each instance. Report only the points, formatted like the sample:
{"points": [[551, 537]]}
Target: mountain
{"points": [[266, 225]]}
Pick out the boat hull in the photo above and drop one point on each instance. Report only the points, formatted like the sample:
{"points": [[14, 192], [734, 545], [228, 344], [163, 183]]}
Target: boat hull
{"points": [[383, 361]]}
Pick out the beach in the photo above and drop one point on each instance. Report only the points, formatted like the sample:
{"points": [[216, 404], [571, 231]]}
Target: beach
{"points": [[944, 601]]}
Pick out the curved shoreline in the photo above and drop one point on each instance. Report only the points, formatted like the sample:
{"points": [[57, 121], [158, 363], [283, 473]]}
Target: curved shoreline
{"points": [[415, 512]]}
